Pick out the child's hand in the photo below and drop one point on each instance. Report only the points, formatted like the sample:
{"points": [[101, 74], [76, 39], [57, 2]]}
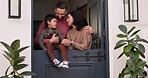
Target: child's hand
{"points": [[54, 39], [66, 42]]}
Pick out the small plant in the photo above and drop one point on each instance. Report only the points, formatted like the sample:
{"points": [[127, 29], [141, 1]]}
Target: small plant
{"points": [[134, 50], [15, 59]]}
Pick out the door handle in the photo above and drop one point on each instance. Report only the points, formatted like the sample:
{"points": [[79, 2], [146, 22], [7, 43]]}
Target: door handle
{"points": [[99, 55]]}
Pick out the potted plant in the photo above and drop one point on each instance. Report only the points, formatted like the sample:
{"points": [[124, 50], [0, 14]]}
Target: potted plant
{"points": [[134, 50], [15, 59]]}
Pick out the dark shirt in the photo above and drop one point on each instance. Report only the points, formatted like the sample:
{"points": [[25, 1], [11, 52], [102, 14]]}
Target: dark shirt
{"points": [[62, 26], [47, 34]]}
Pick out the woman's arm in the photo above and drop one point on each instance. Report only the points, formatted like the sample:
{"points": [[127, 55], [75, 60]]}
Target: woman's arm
{"points": [[85, 42]]}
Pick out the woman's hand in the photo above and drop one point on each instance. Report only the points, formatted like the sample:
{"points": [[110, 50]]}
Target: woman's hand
{"points": [[66, 42]]}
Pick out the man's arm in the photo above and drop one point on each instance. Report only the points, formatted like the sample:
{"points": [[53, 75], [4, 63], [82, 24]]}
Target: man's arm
{"points": [[90, 30]]}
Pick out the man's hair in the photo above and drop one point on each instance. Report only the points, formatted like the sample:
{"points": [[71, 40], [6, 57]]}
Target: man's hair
{"points": [[61, 5], [79, 19], [49, 17]]}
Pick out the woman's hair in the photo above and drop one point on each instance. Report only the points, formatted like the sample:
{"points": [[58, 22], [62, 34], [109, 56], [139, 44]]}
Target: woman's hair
{"points": [[49, 17], [61, 5], [79, 19]]}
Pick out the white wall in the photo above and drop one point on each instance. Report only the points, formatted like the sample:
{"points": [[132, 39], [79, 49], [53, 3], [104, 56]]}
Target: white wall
{"points": [[12, 29], [115, 18]]}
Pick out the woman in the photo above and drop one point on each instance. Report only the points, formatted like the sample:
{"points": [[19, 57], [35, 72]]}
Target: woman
{"points": [[77, 35]]}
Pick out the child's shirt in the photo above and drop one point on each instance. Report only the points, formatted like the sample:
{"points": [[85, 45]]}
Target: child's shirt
{"points": [[47, 34]]}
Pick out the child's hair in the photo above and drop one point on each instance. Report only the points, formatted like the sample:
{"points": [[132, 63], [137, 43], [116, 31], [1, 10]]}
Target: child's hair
{"points": [[49, 17]]}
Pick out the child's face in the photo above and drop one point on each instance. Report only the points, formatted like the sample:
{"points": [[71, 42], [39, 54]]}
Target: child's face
{"points": [[52, 23]]}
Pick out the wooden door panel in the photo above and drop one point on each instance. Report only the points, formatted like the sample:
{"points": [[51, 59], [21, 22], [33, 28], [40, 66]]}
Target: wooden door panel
{"points": [[83, 64]]}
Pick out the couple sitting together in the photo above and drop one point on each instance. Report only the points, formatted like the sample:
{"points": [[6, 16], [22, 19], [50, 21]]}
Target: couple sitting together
{"points": [[64, 33]]}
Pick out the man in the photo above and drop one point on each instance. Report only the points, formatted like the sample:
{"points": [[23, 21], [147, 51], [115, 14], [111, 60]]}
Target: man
{"points": [[62, 26]]}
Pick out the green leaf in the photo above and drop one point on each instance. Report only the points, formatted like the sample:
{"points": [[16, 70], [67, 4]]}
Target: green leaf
{"points": [[120, 55], [137, 37], [16, 54], [130, 62], [141, 48], [19, 60], [7, 70], [143, 40], [135, 33], [131, 30], [141, 63], [127, 71], [15, 44], [28, 73], [7, 57], [16, 76], [119, 45], [121, 41], [23, 48], [6, 46], [6, 76], [146, 65], [123, 28], [20, 66], [133, 74], [128, 48], [121, 36], [134, 54], [12, 62]]}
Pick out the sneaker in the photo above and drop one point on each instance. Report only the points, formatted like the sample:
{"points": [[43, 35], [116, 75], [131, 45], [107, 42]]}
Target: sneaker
{"points": [[64, 64], [56, 62]]}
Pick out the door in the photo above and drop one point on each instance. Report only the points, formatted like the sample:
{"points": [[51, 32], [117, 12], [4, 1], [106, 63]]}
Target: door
{"points": [[83, 64]]}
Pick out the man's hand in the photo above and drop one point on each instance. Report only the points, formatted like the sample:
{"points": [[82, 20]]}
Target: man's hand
{"points": [[90, 30], [66, 42], [54, 39]]}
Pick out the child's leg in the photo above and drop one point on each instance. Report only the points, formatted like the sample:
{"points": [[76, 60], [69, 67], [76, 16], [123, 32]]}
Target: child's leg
{"points": [[49, 47], [50, 51], [63, 51]]}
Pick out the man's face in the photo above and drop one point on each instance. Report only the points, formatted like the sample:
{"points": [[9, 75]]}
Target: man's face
{"points": [[60, 13]]}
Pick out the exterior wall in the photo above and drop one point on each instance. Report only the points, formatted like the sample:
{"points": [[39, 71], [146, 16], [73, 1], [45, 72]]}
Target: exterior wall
{"points": [[12, 29], [116, 13]]}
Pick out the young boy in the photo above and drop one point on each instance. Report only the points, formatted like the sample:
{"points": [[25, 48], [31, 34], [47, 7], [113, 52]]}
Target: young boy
{"points": [[51, 23]]}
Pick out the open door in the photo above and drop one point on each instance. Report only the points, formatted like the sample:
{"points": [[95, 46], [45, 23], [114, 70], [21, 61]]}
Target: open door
{"points": [[83, 64]]}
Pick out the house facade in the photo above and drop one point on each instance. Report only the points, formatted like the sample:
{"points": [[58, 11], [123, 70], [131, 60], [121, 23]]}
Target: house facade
{"points": [[31, 10]]}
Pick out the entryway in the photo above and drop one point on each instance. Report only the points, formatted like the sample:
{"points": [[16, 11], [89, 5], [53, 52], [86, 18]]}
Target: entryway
{"points": [[92, 63]]}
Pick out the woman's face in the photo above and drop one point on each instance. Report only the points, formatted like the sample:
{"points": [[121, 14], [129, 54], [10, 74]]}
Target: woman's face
{"points": [[70, 20]]}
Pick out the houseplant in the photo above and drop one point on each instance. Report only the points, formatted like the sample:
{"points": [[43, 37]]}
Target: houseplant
{"points": [[16, 60], [134, 50]]}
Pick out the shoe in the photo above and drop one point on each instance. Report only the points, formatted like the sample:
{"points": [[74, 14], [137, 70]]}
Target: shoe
{"points": [[56, 62], [64, 64]]}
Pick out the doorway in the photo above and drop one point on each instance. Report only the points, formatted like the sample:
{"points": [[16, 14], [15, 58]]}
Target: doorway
{"points": [[92, 63]]}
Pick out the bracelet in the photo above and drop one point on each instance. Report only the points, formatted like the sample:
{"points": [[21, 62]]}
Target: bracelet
{"points": [[71, 42]]}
